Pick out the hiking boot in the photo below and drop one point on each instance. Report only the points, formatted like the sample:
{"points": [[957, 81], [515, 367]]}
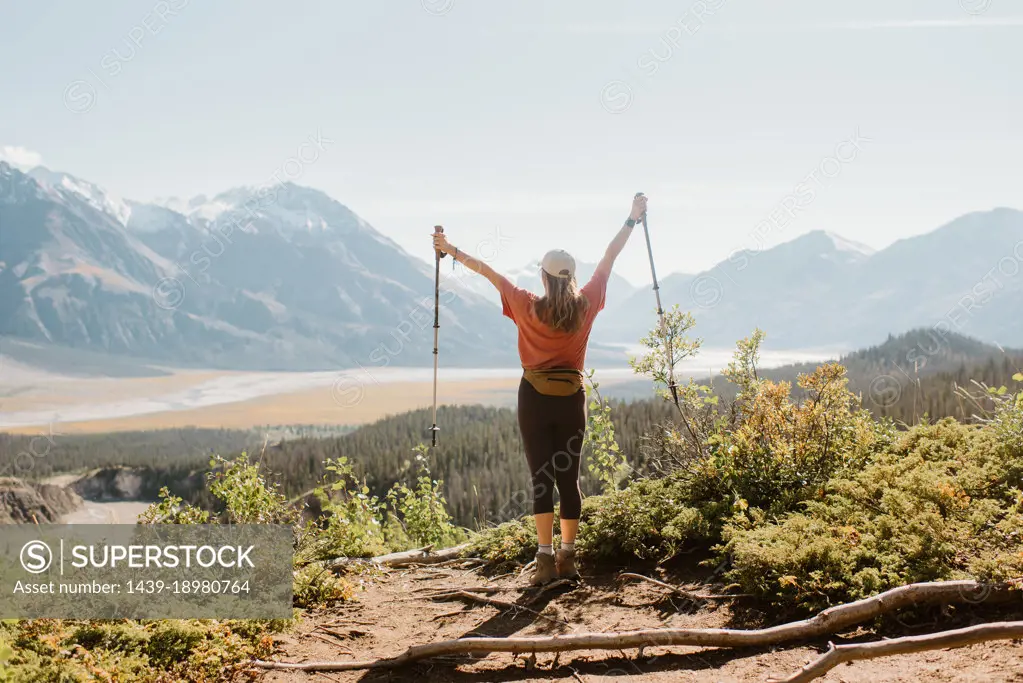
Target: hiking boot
{"points": [[544, 572], [564, 563]]}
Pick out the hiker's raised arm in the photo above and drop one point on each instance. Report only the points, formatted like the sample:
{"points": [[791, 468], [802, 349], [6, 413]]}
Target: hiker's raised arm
{"points": [[619, 241], [440, 241]]}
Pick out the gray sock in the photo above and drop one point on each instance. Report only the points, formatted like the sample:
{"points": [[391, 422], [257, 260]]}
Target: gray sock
{"points": [[546, 549], [567, 546]]}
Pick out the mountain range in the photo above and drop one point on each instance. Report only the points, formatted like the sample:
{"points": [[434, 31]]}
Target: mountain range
{"points": [[821, 290], [287, 278], [269, 278]]}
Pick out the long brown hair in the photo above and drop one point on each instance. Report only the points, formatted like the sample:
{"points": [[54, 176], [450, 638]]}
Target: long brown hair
{"points": [[562, 306]]}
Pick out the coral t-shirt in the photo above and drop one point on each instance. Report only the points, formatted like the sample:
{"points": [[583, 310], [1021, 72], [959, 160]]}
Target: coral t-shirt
{"points": [[542, 347]]}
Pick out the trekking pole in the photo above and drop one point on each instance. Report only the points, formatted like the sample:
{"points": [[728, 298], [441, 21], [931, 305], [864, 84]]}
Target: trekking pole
{"points": [[660, 311], [436, 330]]}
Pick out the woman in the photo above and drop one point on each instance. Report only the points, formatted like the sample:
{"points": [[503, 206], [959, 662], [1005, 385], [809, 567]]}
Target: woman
{"points": [[553, 333]]}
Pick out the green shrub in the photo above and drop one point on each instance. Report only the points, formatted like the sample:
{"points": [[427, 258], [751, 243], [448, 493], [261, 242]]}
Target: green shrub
{"points": [[316, 584], [168, 651], [422, 511], [505, 545], [247, 495], [172, 641], [944, 503], [240, 486], [171, 509], [118, 636], [605, 459], [650, 519]]}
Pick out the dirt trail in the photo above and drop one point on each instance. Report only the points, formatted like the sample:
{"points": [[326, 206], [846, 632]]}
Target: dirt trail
{"points": [[396, 610]]}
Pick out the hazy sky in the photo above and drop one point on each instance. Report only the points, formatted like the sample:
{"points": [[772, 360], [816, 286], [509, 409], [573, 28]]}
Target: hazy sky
{"points": [[540, 119]]}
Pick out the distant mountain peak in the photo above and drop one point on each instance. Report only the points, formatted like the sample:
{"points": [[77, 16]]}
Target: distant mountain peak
{"points": [[835, 242], [179, 205], [843, 244], [90, 193]]}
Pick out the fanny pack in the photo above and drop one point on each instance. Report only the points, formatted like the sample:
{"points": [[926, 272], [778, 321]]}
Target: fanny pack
{"points": [[556, 382]]}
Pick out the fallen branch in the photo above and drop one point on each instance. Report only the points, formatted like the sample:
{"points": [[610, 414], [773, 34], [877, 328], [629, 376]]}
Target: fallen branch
{"points": [[462, 562], [829, 621], [422, 555], [450, 592], [840, 654], [696, 597]]}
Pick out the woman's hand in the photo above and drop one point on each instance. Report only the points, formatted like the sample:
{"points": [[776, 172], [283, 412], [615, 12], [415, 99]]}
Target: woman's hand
{"points": [[441, 244], [638, 207]]}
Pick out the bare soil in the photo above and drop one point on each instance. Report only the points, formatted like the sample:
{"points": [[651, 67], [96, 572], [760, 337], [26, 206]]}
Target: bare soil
{"points": [[397, 610]]}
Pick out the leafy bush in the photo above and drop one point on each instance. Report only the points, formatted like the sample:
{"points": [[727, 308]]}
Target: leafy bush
{"points": [[241, 489], [606, 461], [422, 511], [352, 519], [945, 502], [650, 519], [507, 544], [317, 584], [171, 509], [247, 496], [781, 451], [168, 651], [354, 522]]}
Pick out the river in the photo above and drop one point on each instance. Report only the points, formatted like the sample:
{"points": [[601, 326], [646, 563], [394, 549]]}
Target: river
{"points": [[236, 387], [117, 512], [100, 512]]}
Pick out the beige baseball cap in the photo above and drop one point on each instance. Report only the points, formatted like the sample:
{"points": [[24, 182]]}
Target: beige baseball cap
{"points": [[558, 263]]}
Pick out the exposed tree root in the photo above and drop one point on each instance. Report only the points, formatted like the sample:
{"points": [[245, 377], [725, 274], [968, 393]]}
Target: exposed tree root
{"points": [[829, 621], [899, 646]]}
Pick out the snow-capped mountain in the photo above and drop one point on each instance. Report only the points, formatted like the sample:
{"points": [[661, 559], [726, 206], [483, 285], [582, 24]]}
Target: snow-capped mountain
{"points": [[272, 280], [92, 194]]}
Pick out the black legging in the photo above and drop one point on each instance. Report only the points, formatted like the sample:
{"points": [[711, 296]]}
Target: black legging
{"points": [[552, 433]]}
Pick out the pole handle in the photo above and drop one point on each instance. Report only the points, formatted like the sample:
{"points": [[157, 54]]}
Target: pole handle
{"points": [[638, 195], [439, 230]]}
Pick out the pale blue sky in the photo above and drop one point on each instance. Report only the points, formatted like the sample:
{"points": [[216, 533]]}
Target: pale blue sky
{"points": [[485, 115]]}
